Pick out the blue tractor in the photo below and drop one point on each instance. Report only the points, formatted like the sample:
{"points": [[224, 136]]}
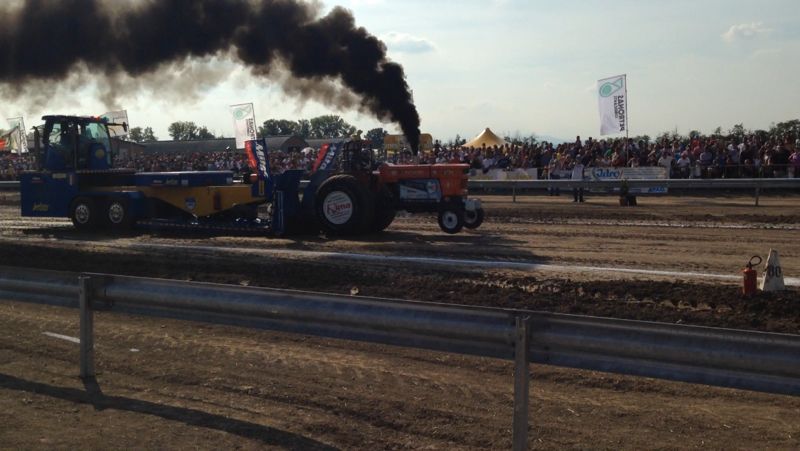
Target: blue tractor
{"points": [[76, 179]]}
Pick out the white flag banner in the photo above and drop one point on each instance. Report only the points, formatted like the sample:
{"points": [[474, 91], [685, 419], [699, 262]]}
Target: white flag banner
{"points": [[244, 123], [18, 141], [117, 117], [613, 97]]}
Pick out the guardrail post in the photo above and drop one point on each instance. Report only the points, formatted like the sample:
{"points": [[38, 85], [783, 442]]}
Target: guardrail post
{"points": [[87, 327], [758, 193], [521, 384]]}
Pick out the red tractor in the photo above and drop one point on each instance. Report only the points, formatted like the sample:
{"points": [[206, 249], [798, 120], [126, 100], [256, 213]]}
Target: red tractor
{"points": [[354, 195]]}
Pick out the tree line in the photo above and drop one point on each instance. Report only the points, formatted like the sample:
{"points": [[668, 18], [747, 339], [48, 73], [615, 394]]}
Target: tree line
{"points": [[333, 126], [320, 127]]}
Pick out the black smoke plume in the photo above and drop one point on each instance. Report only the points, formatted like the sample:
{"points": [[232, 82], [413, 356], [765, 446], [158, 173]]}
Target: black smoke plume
{"points": [[48, 40]]}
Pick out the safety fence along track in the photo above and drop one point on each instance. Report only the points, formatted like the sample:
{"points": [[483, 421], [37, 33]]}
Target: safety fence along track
{"points": [[745, 184], [726, 358]]}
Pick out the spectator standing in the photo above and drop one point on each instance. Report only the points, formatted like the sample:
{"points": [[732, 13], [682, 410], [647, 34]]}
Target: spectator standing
{"points": [[706, 159], [684, 165], [780, 160], [665, 161], [794, 160], [552, 172], [577, 175]]}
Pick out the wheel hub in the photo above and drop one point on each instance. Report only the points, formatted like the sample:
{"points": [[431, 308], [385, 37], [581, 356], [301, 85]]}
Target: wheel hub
{"points": [[338, 207], [82, 213], [450, 219], [116, 213]]}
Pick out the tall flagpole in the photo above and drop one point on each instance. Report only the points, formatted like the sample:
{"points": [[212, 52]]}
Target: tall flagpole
{"points": [[627, 116]]}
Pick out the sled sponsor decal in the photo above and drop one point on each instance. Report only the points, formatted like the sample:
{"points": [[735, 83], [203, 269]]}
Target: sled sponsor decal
{"points": [[338, 208]]}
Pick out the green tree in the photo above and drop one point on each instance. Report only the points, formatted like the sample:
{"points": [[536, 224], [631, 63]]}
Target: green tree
{"points": [[304, 128], [737, 131], [663, 137], [135, 134], [182, 131], [788, 129], [140, 135], [376, 136], [204, 133], [186, 131], [457, 141], [330, 126], [279, 127]]}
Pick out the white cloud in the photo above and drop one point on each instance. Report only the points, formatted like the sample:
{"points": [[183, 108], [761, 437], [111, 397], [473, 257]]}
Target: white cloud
{"points": [[406, 43], [744, 31], [357, 3]]}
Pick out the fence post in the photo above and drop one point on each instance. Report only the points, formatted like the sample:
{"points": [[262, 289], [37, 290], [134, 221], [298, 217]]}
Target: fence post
{"points": [[521, 384], [514, 192], [758, 193], [87, 327]]}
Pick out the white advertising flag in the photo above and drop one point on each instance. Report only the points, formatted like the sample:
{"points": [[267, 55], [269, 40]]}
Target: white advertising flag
{"points": [[613, 96], [117, 117], [18, 139], [244, 123]]}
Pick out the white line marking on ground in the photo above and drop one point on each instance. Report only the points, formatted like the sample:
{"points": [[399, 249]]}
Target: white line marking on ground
{"points": [[63, 337]]}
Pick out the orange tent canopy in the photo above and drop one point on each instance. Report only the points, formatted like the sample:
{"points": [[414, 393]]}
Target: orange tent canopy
{"points": [[488, 138]]}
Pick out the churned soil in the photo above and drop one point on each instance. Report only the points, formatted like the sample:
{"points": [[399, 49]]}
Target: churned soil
{"points": [[171, 384]]}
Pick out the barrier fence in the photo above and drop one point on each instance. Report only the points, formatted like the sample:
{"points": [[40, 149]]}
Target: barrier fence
{"points": [[727, 358], [699, 184]]}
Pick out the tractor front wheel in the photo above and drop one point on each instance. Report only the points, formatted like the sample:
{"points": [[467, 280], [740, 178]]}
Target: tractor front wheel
{"points": [[473, 219], [451, 219]]}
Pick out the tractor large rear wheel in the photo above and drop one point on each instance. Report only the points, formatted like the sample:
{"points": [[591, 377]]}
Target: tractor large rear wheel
{"points": [[385, 210], [384, 216], [344, 206]]}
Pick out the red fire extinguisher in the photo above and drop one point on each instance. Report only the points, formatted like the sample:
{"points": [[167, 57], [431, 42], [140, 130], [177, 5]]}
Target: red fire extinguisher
{"points": [[750, 276]]}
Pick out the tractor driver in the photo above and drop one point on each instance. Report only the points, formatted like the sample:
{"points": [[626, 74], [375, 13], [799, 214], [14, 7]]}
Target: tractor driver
{"points": [[85, 141], [60, 146]]}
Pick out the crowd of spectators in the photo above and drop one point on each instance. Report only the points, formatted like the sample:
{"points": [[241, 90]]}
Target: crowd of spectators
{"points": [[226, 160], [11, 165], [697, 157], [749, 156]]}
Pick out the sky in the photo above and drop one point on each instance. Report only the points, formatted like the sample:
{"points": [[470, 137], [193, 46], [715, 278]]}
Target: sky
{"points": [[525, 67]]}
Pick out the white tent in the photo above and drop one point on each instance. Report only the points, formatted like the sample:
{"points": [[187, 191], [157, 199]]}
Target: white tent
{"points": [[486, 138]]}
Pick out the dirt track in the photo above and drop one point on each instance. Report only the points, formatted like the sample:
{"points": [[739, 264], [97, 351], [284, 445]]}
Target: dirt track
{"points": [[190, 386]]}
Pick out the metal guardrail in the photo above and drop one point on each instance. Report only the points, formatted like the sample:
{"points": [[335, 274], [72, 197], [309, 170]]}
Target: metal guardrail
{"points": [[728, 358], [748, 184], [756, 185], [762, 183]]}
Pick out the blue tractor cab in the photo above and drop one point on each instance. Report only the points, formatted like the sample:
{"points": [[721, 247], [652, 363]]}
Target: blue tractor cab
{"points": [[70, 143]]}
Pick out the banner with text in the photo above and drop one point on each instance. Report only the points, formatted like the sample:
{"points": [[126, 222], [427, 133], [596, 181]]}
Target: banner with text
{"points": [[613, 101], [638, 173], [244, 123], [18, 141]]}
